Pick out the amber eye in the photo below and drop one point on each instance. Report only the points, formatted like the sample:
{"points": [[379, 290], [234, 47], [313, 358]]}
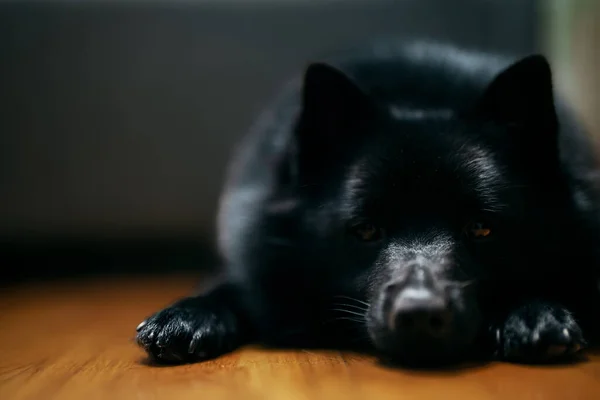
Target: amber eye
{"points": [[478, 230], [367, 232]]}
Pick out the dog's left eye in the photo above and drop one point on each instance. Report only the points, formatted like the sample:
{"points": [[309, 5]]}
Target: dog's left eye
{"points": [[367, 232], [478, 230]]}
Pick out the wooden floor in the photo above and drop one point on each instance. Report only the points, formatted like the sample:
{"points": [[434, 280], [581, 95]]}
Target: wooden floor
{"points": [[75, 341]]}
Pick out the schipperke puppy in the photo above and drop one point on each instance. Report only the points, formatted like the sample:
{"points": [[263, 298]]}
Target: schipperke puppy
{"points": [[432, 203]]}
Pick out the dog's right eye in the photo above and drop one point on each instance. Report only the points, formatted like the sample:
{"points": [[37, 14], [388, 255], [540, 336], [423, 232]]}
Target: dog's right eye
{"points": [[478, 230], [367, 232]]}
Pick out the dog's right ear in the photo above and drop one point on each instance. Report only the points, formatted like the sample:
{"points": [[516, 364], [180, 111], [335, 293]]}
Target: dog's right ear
{"points": [[334, 114], [331, 101]]}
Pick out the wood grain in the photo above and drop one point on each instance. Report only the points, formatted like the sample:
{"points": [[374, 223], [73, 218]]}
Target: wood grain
{"points": [[74, 340]]}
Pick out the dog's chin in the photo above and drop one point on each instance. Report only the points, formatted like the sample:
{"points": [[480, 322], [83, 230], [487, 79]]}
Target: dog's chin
{"points": [[430, 356], [421, 353]]}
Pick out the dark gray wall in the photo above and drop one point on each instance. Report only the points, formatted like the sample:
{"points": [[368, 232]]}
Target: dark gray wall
{"points": [[117, 118]]}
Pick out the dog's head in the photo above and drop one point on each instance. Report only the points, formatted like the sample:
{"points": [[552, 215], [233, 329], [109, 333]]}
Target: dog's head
{"points": [[423, 203]]}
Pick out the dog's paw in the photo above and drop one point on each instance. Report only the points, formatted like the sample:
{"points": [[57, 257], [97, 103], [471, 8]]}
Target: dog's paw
{"points": [[538, 333], [188, 331]]}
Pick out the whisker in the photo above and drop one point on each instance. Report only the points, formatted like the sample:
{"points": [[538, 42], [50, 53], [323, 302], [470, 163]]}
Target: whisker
{"points": [[353, 299], [353, 319], [360, 322], [348, 311], [467, 283], [490, 210], [361, 308]]}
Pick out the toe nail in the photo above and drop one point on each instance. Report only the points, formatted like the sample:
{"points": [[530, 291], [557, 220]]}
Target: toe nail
{"points": [[141, 325], [192, 347], [536, 336], [566, 333]]}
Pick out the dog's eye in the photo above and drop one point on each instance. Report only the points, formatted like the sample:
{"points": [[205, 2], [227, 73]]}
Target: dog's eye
{"points": [[478, 230], [367, 232]]}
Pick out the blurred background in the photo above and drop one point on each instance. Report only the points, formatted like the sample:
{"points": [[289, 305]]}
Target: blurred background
{"points": [[117, 118]]}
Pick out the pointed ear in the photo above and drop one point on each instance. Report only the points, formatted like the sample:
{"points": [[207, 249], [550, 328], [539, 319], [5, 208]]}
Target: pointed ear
{"points": [[522, 94], [331, 101], [334, 116]]}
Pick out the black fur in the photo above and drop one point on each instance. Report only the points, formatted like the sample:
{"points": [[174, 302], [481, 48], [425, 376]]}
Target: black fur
{"points": [[431, 203]]}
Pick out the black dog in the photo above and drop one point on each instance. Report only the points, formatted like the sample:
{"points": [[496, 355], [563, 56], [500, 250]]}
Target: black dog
{"points": [[434, 203]]}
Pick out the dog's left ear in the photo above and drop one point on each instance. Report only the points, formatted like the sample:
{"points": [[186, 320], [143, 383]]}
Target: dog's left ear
{"points": [[522, 94]]}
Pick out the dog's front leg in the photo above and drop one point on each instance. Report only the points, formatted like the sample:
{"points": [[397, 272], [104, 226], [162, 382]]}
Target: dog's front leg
{"points": [[195, 328], [536, 331]]}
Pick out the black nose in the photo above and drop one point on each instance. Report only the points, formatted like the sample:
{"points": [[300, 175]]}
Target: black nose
{"points": [[423, 316], [419, 309]]}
